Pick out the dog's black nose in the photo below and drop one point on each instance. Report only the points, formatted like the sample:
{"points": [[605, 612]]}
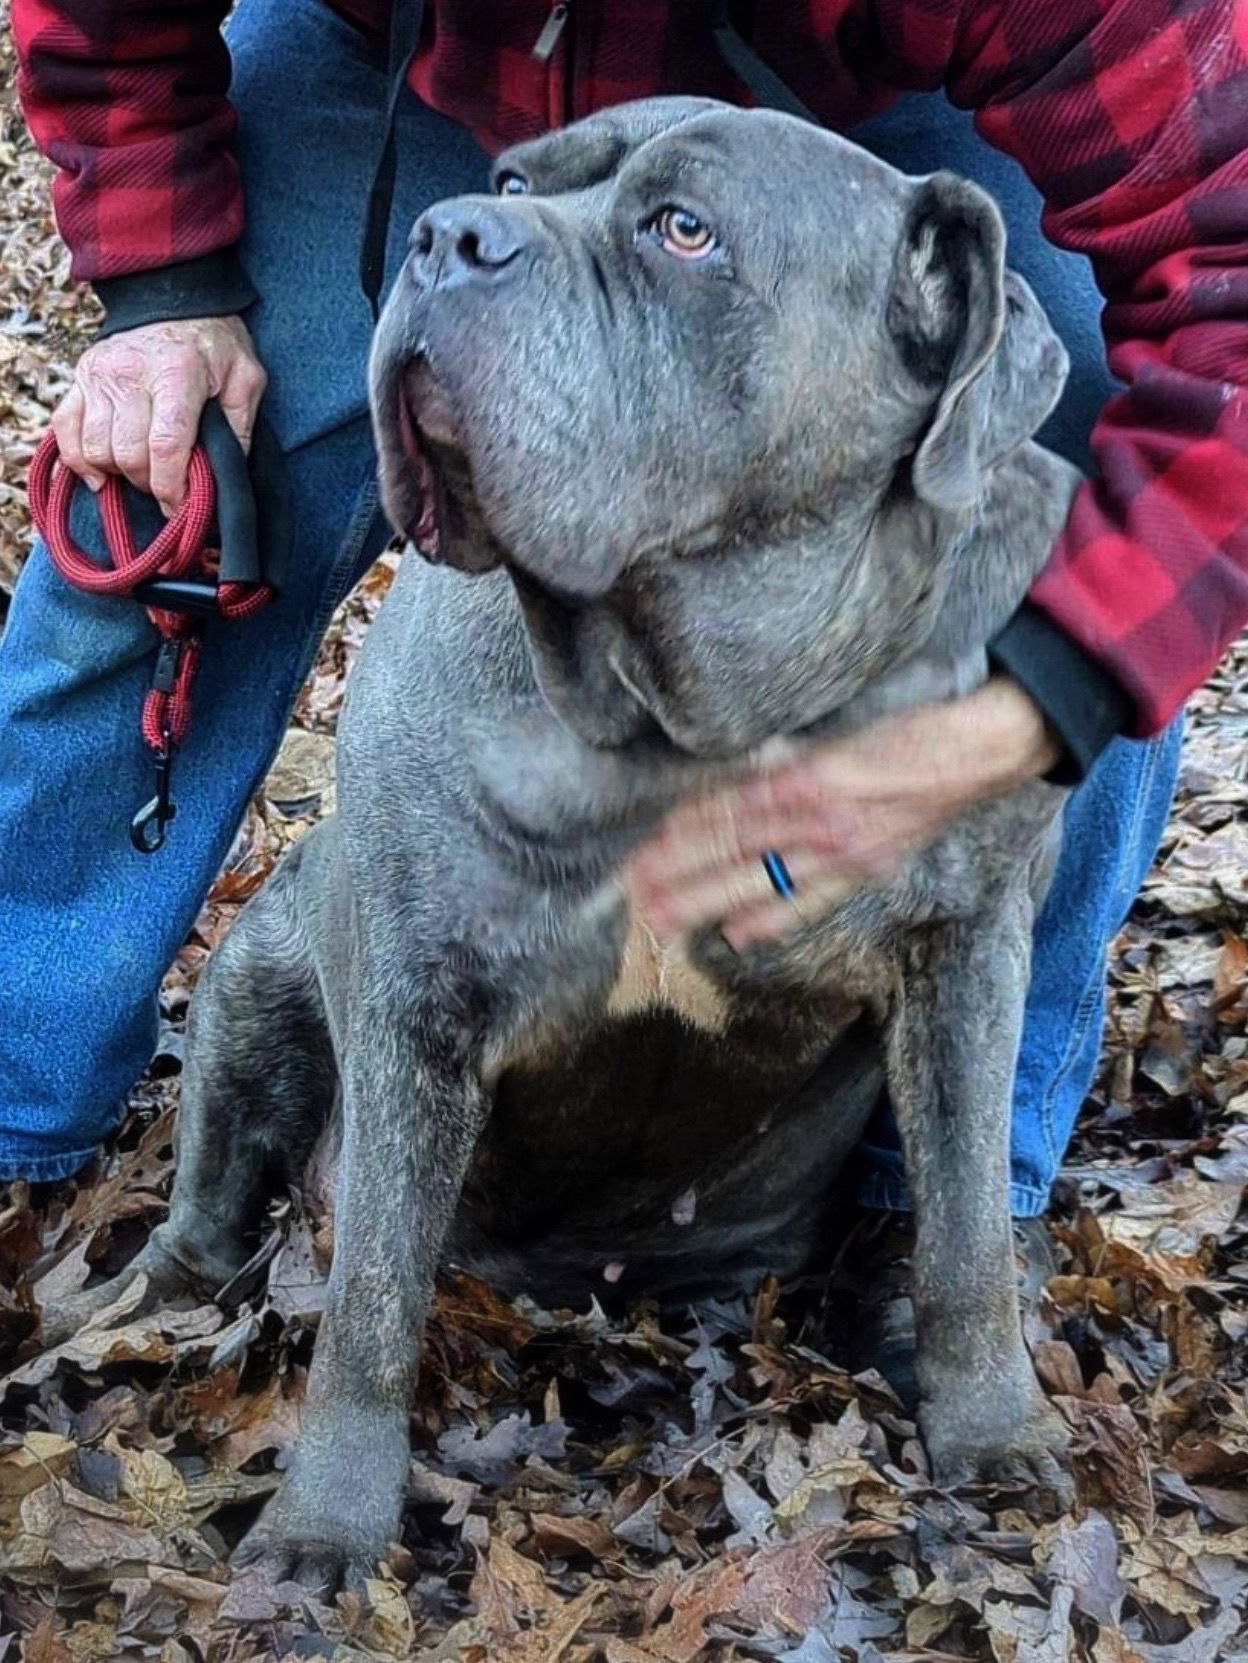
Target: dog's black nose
{"points": [[463, 242]]}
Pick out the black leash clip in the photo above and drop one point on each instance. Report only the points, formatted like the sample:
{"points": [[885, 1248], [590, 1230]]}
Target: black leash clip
{"points": [[147, 829]]}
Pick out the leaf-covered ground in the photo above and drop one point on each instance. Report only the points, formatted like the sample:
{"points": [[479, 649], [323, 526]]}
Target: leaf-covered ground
{"points": [[646, 1491]]}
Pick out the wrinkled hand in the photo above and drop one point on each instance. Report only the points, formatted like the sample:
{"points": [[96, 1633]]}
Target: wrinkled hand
{"points": [[135, 404], [842, 815]]}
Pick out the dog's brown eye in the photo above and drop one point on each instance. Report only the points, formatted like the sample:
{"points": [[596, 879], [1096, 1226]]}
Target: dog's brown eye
{"points": [[684, 234], [511, 184]]}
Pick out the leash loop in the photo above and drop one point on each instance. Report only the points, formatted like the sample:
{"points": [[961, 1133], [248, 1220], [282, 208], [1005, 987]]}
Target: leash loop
{"points": [[175, 551], [174, 578]]}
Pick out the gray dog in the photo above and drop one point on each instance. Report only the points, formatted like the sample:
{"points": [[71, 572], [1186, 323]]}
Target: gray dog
{"points": [[732, 424]]}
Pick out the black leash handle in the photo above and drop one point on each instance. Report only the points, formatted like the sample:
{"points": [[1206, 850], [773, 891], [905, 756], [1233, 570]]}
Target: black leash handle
{"points": [[252, 514]]}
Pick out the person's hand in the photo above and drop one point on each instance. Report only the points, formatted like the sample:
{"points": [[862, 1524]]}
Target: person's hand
{"points": [[135, 404], [842, 815]]}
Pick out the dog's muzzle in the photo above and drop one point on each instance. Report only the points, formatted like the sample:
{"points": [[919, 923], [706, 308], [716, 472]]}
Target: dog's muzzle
{"points": [[468, 240]]}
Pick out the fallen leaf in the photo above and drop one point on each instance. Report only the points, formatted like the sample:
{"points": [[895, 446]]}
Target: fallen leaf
{"points": [[1083, 1557], [574, 1538], [1029, 1633], [63, 1530], [300, 781], [39, 1457]]}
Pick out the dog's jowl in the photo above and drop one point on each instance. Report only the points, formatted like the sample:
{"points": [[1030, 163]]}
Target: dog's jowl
{"points": [[713, 431]]}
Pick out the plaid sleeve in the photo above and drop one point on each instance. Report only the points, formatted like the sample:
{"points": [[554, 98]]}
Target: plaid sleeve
{"points": [[1131, 116], [128, 99]]}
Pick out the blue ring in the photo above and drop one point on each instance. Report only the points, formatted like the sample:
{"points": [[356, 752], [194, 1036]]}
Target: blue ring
{"points": [[779, 875]]}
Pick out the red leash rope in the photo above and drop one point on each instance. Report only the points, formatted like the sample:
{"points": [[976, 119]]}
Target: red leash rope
{"points": [[179, 551]]}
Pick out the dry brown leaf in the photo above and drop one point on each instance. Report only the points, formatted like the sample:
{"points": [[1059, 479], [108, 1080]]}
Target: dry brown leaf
{"points": [[520, 1617], [1110, 1455], [1112, 1646], [469, 1305], [926, 1623], [62, 1530], [1058, 1368], [456, 1495], [833, 1462], [509, 1589], [390, 1628], [773, 1592], [153, 1484], [1231, 975], [67, 1276], [572, 1538], [966, 1576], [1174, 1218], [786, 1587], [38, 1458], [156, 1338], [1162, 1274], [1164, 1574], [47, 1642], [196, 1590], [301, 780], [297, 1280], [268, 1419]]}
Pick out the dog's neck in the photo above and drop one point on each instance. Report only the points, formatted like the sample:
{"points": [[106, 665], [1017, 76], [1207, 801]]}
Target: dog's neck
{"points": [[999, 552], [583, 768], [600, 673], [573, 663]]}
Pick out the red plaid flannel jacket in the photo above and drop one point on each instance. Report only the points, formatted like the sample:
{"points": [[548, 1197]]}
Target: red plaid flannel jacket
{"points": [[1130, 115]]}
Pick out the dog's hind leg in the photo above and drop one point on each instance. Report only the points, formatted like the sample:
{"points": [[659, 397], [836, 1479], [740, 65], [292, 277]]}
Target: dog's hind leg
{"points": [[258, 1089]]}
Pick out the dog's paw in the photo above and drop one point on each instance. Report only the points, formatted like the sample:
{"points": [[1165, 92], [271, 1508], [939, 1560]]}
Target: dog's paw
{"points": [[1025, 1450], [154, 1277], [110, 1303], [316, 1546], [320, 1565]]}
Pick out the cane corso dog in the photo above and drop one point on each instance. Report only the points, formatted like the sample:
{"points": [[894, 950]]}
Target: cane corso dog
{"points": [[714, 433]]}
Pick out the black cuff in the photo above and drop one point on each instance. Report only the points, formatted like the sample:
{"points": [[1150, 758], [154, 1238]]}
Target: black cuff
{"points": [[1081, 701], [210, 286]]}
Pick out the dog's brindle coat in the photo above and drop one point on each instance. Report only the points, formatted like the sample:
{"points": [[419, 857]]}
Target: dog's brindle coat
{"points": [[767, 495]]}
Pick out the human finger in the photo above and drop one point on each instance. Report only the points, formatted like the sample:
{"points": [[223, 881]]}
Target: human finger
{"points": [[67, 426]]}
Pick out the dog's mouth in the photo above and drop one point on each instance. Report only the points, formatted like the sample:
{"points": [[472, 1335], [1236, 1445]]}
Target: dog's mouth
{"points": [[449, 527], [425, 534], [429, 449]]}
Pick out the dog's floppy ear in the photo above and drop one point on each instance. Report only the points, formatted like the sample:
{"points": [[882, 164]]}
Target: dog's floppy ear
{"points": [[971, 333]]}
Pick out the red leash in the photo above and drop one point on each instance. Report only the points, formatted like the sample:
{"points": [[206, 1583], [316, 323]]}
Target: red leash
{"points": [[178, 568]]}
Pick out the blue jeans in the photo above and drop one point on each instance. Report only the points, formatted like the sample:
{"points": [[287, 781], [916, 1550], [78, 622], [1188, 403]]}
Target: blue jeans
{"points": [[87, 926]]}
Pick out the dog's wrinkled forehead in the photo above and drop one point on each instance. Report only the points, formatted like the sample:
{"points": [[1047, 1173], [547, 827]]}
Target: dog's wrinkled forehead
{"points": [[593, 150], [762, 159]]}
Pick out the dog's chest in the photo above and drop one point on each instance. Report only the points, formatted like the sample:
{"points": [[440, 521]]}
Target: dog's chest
{"points": [[658, 974]]}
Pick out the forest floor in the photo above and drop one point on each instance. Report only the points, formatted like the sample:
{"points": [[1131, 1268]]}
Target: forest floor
{"points": [[646, 1490]]}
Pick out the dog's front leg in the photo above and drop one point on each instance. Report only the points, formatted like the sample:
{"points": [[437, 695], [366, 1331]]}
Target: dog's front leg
{"points": [[952, 1046], [413, 1106]]}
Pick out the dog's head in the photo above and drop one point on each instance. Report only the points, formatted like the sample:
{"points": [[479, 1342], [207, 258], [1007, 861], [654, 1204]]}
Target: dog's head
{"points": [[687, 349]]}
